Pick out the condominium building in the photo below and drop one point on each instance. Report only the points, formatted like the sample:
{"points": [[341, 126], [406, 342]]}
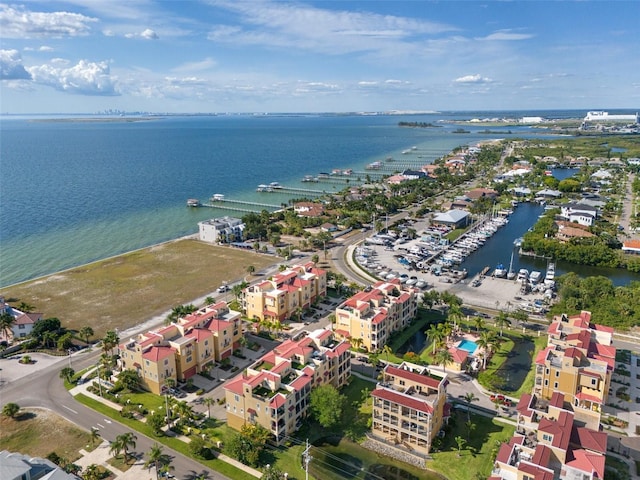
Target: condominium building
{"points": [[286, 294], [221, 230], [577, 362], [409, 407], [549, 444], [183, 348], [274, 392], [372, 315]]}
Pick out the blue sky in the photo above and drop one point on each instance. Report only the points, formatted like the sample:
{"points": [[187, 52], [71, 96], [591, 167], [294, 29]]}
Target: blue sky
{"points": [[317, 56]]}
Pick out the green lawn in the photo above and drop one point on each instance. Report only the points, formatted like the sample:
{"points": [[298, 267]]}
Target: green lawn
{"points": [[479, 454]]}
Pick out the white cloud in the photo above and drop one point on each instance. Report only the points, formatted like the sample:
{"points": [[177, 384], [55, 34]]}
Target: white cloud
{"points": [[17, 22], [367, 84], [507, 35], [146, 34], [11, 67], [43, 48], [472, 79], [206, 64], [86, 78], [333, 32]]}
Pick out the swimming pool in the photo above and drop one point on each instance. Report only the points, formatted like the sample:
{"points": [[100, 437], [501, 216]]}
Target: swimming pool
{"points": [[468, 345]]}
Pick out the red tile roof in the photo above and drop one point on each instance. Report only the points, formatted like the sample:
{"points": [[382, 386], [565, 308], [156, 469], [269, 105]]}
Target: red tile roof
{"points": [[155, 354], [588, 462], [403, 400], [415, 377], [589, 439], [560, 429], [588, 398], [277, 401], [459, 355]]}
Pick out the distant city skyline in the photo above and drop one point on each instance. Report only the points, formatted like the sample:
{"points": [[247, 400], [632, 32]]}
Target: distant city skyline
{"points": [[215, 56]]}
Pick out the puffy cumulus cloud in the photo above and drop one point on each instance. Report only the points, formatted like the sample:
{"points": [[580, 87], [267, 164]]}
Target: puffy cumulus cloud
{"points": [[84, 78], [472, 79], [18, 22], [11, 67], [146, 34]]}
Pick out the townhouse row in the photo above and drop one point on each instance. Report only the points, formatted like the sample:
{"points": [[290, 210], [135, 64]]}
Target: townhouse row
{"points": [[184, 348]]}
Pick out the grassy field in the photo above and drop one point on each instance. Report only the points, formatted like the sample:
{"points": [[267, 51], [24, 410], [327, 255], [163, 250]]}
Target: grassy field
{"points": [[40, 432], [129, 289]]}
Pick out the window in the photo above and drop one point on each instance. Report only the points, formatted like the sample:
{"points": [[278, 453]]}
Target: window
{"points": [[547, 438], [189, 359], [546, 383], [21, 327], [237, 398], [546, 371], [555, 385], [166, 361], [557, 373], [593, 381]]}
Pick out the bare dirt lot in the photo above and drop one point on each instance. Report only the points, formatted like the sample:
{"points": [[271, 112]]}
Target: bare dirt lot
{"points": [[129, 289]]}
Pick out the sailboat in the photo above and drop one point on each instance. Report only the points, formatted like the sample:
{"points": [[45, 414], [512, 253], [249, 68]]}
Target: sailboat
{"points": [[511, 274]]}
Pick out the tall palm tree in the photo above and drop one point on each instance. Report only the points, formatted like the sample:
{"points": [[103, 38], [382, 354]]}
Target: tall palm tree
{"points": [[469, 397], [387, 350], [444, 357], [208, 401], [486, 341], [156, 458], [110, 341], [94, 435], [6, 324], [122, 443], [478, 322], [435, 335], [86, 333], [455, 313], [502, 320]]}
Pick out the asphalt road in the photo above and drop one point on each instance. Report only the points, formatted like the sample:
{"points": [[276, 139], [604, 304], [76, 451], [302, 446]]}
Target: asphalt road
{"points": [[44, 389]]}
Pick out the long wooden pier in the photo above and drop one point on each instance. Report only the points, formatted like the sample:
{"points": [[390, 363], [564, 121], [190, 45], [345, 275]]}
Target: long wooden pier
{"points": [[295, 190]]}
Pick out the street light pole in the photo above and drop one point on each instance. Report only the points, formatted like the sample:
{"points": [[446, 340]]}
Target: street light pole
{"points": [[69, 352]]}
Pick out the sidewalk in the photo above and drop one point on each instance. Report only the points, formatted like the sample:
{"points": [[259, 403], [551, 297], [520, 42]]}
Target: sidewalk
{"points": [[100, 456]]}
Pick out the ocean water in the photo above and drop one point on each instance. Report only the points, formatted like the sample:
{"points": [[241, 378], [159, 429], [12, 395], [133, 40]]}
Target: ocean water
{"points": [[73, 192]]}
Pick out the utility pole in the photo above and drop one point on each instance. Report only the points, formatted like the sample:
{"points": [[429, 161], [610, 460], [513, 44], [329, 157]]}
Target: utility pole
{"points": [[306, 458]]}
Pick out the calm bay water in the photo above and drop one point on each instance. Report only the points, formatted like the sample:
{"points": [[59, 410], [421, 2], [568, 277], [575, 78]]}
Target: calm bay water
{"points": [[77, 191], [73, 192]]}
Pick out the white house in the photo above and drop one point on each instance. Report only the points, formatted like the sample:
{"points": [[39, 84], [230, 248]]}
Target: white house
{"points": [[23, 324], [579, 213], [221, 230]]}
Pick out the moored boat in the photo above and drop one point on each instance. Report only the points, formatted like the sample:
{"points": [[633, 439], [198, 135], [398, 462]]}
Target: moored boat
{"points": [[551, 272], [193, 202]]}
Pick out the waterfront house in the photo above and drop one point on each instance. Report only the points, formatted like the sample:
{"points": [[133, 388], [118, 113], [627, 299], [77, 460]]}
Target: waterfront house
{"points": [[221, 230], [370, 317], [274, 392], [579, 213], [23, 324], [568, 230], [285, 294], [188, 346], [631, 246], [308, 209], [409, 407]]}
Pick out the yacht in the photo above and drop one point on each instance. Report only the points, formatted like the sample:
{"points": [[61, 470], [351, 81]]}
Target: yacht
{"points": [[500, 271], [535, 276], [523, 274], [551, 272]]}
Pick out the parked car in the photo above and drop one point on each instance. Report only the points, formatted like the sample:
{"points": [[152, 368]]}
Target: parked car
{"points": [[223, 288]]}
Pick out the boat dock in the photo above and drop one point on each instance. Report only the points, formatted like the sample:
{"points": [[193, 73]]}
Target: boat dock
{"points": [[295, 190], [219, 201]]}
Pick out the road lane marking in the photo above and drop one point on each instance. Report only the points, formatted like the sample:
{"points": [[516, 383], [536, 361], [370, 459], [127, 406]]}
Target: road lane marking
{"points": [[70, 409], [101, 426], [108, 421]]}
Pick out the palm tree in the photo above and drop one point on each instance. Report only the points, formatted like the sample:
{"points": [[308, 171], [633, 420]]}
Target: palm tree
{"points": [[455, 313], [156, 458], [92, 472], [387, 350], [251, 269], [110, 341], [436, 335], [208, 401], [6, 324], [67, 374], [444, 358], [122, 443], [86, 332], [486, 341], [94, 435], [469, 397], [502, 320], [478, 322], [461, 442], [25, 307], [209, 300]]}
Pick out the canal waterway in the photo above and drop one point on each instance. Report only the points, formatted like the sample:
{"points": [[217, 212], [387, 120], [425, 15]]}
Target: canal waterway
{"points": [[498, 249]]}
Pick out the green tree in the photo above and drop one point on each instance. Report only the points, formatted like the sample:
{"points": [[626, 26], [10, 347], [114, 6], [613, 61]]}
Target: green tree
{"points": [[7, 321], [198, 447], [123, 443], [208, 401], [65, 342], [92, 472], [387, 350], [67, 374], [128, 379], [435, 335], [326, 405], [251, 269], [469, 398], [110, 341], [502, 320], [460, 442], [156, 458], [272, 473], [444, 357], [86, 333], [94, 435], [156, 421], [247, 445], [10, 410]]}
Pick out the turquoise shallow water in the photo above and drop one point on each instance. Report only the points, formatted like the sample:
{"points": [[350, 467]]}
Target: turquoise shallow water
{"points": [[75, 192]]}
